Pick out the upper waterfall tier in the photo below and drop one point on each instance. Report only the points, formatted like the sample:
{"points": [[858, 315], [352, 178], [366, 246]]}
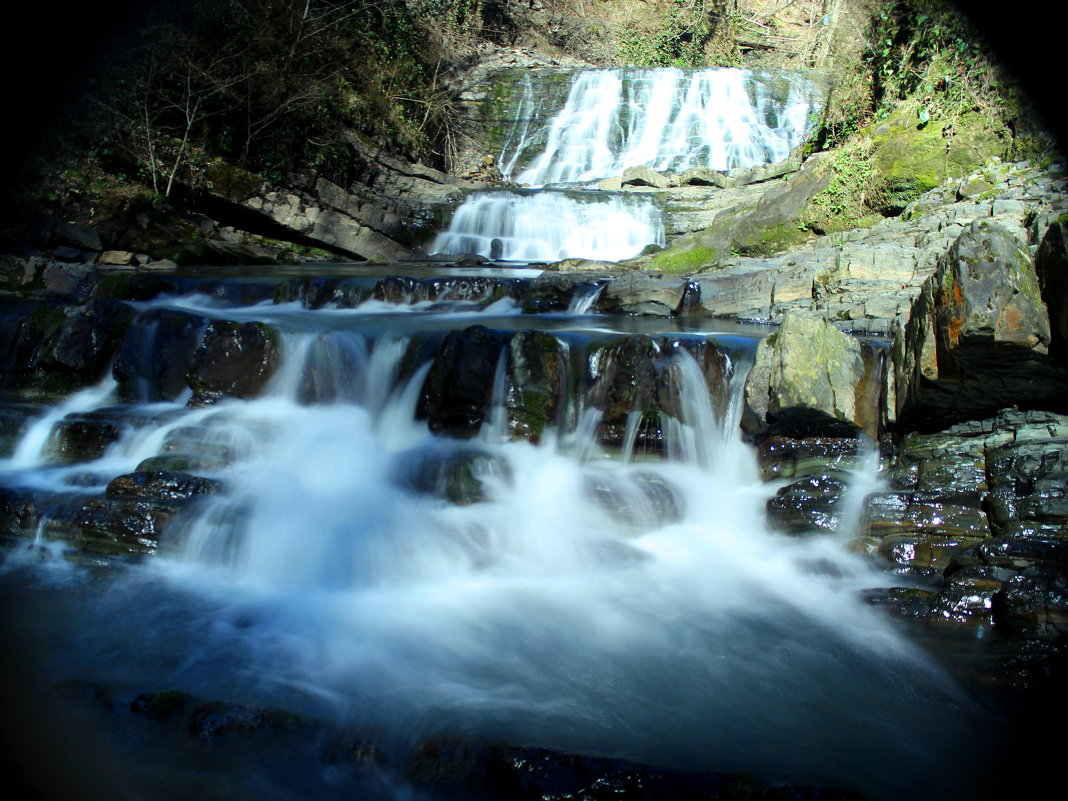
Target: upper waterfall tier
{"points": [[667, 119]]}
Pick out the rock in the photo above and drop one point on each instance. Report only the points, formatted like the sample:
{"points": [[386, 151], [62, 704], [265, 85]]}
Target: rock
{"points": [[645, 176], [156, 355], [479, 771], [122, 257], [977, 337], [810, 457], [161, 705], [638, 293], [215, 718], [458, 389], [624, 383], [704, 176], [810, 379], [161, 485], [1051, 266], [456, 476], [235, 360], [537, 384], [806, 507]]}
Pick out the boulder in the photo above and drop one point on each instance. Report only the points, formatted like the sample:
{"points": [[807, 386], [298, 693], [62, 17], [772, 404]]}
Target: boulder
{"points": [[1051, 266], [977, 337], [643, 294], [810, 379], [236, 360], [155, 356], [645, 176], [536, 383], [458, 389]]}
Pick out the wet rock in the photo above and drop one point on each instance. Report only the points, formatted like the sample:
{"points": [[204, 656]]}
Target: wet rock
{"points": [[919, 533], [642, 501], [459, 387], [807, 507], [625, 383], [162, 705], [156, 355], [789, 458], [311, 291], [457, 476], [113, 527], [83, 438], [810, 379], [161, 485], [18, 513], [400, 289], [537, 383], [216, 718], [1033, 606], [549, 293], [63, 348], [638, 293], [672, 382], [479, 771], [236, 360]]}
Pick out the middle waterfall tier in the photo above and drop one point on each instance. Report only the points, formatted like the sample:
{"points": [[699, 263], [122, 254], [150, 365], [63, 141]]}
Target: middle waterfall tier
{"points": [[549, 226]]}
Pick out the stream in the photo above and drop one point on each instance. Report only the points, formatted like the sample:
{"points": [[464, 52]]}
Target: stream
{"points": [[363, 564]]}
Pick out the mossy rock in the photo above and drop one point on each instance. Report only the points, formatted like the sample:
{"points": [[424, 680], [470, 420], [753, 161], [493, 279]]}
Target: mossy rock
{"points": [[684, 260], [912, 158]]}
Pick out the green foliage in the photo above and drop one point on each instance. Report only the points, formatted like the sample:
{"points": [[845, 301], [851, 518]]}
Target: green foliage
{"points": [[674, 37], [927, 52], [854, 193], [272, 86]]}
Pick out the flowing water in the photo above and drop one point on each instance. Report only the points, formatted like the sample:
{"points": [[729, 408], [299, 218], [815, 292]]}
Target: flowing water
{"points": [[634, 607], [567, 594], [667, 119]]}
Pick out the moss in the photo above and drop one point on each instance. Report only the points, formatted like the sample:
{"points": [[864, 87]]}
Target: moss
{"points": [[776, 239], [913, 159], [689, 260]]}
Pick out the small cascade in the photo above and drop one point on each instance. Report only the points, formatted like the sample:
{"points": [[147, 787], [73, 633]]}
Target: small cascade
{"points": [[550, 226], [667, 119], [32, 448]]}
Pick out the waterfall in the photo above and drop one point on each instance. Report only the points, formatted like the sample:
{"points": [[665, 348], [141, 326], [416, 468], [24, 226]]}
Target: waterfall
{"points": [[550, 226], [667, 119]]}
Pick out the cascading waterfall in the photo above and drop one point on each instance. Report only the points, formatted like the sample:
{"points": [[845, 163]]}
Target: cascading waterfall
{"points": [[629, 606], [358, 568], [549, 226], [667, 119]]}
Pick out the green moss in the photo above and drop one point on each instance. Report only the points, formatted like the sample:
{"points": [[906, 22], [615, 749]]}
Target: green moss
{"points": [[776, 239], [689, 260]]}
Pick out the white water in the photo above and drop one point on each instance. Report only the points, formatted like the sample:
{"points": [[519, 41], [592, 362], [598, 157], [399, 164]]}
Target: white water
{"points": [[549, 226], [666, 119], [601, 605]]}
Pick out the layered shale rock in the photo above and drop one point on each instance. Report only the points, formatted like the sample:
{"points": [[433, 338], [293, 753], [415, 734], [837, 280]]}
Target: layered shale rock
{"points": [[977, 338]]}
